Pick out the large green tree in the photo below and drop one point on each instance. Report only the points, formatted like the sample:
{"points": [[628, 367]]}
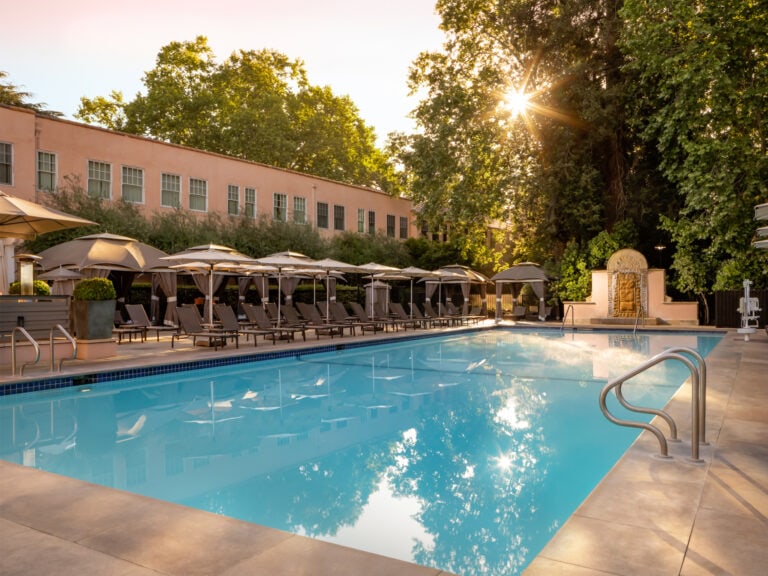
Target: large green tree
{"points": [[701, 72], [257, 105], [554, 171]]}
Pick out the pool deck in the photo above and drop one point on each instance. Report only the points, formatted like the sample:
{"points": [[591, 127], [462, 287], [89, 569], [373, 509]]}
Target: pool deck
{"points": [[648, 516]]}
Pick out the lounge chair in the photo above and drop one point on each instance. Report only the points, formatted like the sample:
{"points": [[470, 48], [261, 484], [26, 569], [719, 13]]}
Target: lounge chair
{"points": [[430, 313], [397, 309], [419, 315], [273, 313], [230, 323], [258, 317], [453, 313], [192, 328], [138, 316], [340, 315], [362, 316], [393, 321], [314, 321]]}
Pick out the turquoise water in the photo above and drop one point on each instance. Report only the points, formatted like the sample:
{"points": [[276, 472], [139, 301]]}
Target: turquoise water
{"points": [[465, 453]]}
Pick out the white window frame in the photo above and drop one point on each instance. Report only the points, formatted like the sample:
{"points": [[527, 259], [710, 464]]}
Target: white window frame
{"points": [[167, 178], [6, 159], [132, 180], [198, 192], [47, 164], [361, 220], [233, 200], [250, 203], [299, 210], [99, 179], [280, 207]]}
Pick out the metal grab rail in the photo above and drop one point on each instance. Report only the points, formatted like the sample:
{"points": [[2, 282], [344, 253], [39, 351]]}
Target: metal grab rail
{"points": [[702, 387], [640, 312], [565, 317], [696, 424], [69, 337], [28, 336]]}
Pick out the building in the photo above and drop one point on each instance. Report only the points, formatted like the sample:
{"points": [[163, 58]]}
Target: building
{"points": [[38, 151]]}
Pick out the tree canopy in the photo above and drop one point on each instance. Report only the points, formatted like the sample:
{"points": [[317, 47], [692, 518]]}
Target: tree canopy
{"points": [[553, 122], [256, 105]]}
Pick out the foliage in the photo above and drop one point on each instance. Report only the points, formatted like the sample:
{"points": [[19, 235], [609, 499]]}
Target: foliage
{"points": [[257, 105], [558, 172], [94, 289], [702, 76], [363, 248], [39, 288]]}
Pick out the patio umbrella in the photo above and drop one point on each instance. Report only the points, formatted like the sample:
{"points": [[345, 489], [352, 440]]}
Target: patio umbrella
{"points": [[106, 251], [210, 256], [24, 219], [63, 280], [522, 273], [283, 261], [458, 274], [329, 265], [373, 268], [414, 272]]}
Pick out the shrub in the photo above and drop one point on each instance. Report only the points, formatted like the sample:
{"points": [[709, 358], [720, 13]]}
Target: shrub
{"points": [[39, 288], [94, 289]]}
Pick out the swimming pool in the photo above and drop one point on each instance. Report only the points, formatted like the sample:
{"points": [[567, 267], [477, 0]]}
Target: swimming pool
{"points": [[461, 452]]}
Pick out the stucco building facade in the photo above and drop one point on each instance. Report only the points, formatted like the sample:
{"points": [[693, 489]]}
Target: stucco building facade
{"points": [[37, 152]]}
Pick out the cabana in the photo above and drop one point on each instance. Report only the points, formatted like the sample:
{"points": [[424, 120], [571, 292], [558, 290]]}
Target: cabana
{"points": [[517, 276], [461, 275]]}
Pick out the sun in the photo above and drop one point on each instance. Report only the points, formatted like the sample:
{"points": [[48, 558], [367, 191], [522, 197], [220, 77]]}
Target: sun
{"points": [[516, 102]]}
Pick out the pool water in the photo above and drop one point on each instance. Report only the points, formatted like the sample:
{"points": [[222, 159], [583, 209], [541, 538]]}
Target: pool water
{"points": [[464, 453]]}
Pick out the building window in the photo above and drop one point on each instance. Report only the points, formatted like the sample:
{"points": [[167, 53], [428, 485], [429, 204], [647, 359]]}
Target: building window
{"points": [[198, 195], [338, 217], [361, 220], [170, 190], [280, 212], [322, 215], [250, 202], [6, 163], [403, 227], [99, 179], [233, 200], [391, 225], [46, 171], [299, 210], [133, 185], [371, 222]]}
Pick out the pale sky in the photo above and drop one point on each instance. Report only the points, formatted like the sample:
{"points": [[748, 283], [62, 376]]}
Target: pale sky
{"points": [[60, 50]]}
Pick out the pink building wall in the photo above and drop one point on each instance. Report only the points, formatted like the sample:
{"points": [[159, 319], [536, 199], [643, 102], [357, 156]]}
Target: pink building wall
{"points": [[74, 144]]}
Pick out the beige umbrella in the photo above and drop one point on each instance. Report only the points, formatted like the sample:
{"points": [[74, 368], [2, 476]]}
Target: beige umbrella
{"points": [[283, 261], [331, 266], [106, 251], [373, 268], [210, 256], [63, 280], [24, 219]]}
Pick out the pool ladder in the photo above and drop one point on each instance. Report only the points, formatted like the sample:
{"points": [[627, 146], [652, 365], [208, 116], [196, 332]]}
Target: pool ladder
{"points": [[565, 317], [51, 340], [698, 400]]}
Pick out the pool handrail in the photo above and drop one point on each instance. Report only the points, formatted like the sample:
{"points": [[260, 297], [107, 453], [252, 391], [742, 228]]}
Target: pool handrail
{"points": [[71, 340], [20, 330], [616, 384], [570, 309]]}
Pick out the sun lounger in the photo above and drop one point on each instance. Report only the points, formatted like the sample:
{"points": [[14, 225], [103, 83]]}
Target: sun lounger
{"points": [[192, 328], [138, 316], [314, 321], [397, 309], [419, 315], [340, 315], [230, 323], [429, 312], [261, 321], [362, 316]]}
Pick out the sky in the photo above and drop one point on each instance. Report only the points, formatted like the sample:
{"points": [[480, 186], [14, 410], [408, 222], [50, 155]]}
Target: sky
{"points": [[61, 50]]}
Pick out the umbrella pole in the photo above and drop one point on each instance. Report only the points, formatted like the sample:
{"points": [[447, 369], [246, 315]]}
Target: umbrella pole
{"points": [[210, 296], [279, 294], [327, 297], [411, 308]]}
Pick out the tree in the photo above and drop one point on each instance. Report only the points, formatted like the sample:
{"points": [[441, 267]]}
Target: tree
{"points": [[555, 173], [256, 105], [702, 76]]}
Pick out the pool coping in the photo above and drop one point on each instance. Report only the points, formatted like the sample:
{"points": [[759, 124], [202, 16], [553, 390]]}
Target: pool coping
{"points": [[36, 508]]}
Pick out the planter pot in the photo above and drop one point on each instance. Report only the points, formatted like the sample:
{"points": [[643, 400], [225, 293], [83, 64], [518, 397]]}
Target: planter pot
{"points": [[94, 319]]}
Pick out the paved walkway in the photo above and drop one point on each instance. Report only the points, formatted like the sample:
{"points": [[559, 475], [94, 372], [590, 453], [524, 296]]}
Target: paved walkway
{"points": [[648, 516]]}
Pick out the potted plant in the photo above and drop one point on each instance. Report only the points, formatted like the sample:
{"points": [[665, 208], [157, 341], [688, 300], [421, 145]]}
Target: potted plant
{"points": [[39, 287], [93, 308]]}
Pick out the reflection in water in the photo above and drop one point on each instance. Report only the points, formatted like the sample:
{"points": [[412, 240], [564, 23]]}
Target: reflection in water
{"points": [[463, 453]]}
